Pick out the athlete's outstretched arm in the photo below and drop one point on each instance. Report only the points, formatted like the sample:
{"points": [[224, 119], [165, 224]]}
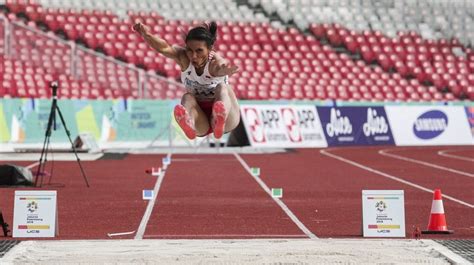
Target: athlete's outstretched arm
{"points": [[157, 43], [221, 67]]}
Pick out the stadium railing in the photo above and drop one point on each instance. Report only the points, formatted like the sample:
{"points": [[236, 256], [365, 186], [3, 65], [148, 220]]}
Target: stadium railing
{"points": [[35, 58]]}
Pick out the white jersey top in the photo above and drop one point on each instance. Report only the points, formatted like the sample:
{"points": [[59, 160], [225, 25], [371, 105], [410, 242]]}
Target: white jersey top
{"points": [[201, 86]]}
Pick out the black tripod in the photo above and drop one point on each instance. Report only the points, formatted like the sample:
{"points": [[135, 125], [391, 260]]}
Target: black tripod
{"points": [[4, 225], [51, 123]]}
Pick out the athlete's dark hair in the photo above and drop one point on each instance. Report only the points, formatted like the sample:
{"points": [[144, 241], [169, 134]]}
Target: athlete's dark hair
{"points": [[206, 32]]}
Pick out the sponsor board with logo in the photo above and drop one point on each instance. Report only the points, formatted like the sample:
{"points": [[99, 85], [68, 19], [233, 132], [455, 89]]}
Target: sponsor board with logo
{"points": [[282, 126], [35, 214], [25, 120], [383, 213], [470, 118], [355, 126], [429, 125]]}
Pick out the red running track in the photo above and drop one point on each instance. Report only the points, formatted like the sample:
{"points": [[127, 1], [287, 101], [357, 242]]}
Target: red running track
{"points": [[325, 193], [450, 183], [213, 196], [113, 203], [430, 155]]}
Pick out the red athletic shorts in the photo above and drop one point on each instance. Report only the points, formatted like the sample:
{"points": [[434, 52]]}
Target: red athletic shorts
{"points": [[206, 107]]}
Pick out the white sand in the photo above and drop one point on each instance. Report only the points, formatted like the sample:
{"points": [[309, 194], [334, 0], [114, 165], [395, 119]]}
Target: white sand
{"points": [[257, 251]]}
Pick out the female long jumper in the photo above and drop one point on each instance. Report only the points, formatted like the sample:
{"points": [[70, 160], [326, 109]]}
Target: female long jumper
{"points": [[209, 104]]}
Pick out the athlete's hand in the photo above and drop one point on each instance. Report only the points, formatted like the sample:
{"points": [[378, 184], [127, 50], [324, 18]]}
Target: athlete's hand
{"points": [[212, 54], [140, 28], [225, 69]]}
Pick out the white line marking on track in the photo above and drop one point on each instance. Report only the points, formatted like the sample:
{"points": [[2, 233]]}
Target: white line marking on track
{"points": [[32, 165], [327, 153], [386, 153], [277, 200], [149, 207], [199, 159], [120, 234], [258, 236], [445, 153]]}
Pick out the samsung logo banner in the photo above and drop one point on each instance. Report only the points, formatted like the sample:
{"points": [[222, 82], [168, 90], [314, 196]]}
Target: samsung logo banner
{"points": [[282, 126], [429, 125], [355, 126]]}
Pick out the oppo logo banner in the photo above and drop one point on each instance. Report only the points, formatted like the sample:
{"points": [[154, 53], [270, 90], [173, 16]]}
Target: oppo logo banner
{"points": [[283, 126], [430, 124]]}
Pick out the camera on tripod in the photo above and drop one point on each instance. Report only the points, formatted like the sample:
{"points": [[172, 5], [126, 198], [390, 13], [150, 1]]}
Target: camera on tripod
{"points": [[52, 125], [54, 86]]}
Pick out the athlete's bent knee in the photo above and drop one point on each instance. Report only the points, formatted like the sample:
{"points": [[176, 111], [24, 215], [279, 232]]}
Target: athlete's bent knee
{"points": [[222, 88], [188, 98]]}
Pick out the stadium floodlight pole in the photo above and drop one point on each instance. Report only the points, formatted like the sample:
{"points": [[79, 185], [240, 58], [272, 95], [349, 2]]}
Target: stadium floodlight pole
{"points": [[50, 126]]}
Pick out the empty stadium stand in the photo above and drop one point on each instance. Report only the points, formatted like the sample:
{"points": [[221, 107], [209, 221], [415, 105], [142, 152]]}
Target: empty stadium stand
{"points": [[332, 51]]}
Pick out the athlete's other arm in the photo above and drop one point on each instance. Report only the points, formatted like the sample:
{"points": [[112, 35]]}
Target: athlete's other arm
{"points": [[220, 66], [176, 53]]}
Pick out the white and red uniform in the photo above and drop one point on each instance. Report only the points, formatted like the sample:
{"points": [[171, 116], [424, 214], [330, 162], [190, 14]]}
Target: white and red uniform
{"points": [[203, 87]]}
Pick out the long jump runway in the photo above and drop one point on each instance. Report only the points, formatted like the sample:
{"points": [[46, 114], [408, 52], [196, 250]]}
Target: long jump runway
{"points": [[214, 196]]}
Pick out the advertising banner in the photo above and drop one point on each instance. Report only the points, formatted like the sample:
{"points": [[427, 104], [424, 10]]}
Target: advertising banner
{"points": [[4, 125], [267, 124], [282, 126], [132, 120], [25, 120], [470, 118], [355, 126], [429, 125]]}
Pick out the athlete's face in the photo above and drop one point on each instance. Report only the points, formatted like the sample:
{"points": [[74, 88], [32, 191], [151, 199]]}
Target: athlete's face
{"points": [[197, 52]]}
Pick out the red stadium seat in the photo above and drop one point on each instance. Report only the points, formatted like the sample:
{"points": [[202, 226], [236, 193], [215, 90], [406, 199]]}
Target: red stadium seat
{"points": [[280, 63]]}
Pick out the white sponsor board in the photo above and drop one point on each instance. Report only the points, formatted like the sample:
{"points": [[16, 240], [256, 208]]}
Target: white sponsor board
{"points": [[429, 125], [283, 126], [383, 213], [35, 214]]}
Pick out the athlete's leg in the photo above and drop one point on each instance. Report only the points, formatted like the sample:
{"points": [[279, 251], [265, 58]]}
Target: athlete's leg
{"points": [[226, 111], [194, 120]]}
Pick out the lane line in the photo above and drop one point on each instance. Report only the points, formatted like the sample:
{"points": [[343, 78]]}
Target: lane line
{"points": [[445, 153], [285, 208], [32, 165], [199, 159], [151, 204], [348, 161], [120, 234], [233, 236], [386, 153]]}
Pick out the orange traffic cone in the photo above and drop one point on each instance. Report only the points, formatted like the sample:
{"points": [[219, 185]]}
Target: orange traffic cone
{"points": [[437, 223]]}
